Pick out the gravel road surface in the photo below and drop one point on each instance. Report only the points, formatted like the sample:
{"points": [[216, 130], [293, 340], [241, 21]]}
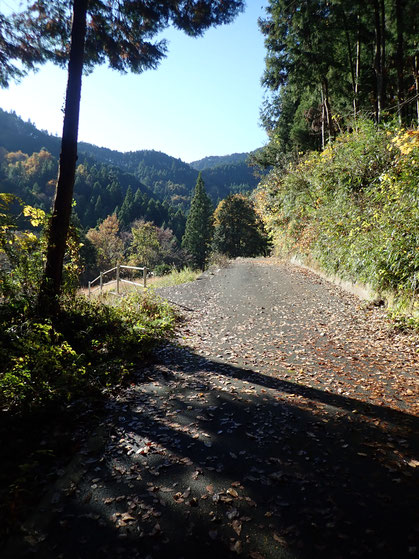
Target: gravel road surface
{"points": [[282, 424]]}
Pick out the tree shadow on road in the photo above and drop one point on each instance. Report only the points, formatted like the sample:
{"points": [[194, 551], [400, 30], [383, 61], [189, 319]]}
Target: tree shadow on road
{"points": [[210, 460]]}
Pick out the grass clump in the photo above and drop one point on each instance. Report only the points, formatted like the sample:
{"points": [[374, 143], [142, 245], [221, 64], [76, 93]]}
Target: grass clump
{"points": [[176, 277]]}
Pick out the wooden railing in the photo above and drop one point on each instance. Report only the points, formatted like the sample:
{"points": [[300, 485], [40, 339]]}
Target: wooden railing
{"points": [[118, 279]]}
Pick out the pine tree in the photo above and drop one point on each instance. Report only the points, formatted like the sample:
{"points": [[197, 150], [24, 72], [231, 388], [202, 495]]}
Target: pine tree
{"points": [[199, 226], [125, 213]]}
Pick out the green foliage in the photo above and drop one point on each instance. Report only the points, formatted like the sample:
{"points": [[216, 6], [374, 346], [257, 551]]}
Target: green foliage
{"points": [[152, 246], [42, 364], [328, 62], [144, 250], [199, 226], [88, 347], [354, 208], [22, 251], [238, 229], [162, 269]]}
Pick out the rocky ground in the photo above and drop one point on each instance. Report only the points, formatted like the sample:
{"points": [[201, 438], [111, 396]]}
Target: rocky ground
{"points": [[283, 424]]}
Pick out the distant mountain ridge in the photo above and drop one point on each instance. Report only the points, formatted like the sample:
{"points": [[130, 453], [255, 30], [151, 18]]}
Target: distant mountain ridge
{"points": [[214, 161], [138, 184]]}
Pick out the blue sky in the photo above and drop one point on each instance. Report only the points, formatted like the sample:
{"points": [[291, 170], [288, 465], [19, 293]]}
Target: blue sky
{"points": [[203, 99]]}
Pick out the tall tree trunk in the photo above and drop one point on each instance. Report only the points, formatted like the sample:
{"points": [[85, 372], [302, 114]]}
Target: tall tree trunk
{"points": [[323, 119], [383, 52], [353, 67], [357, 65], [60, 219], [378, 59], [327, 110], [399, 59], [416, 70]]}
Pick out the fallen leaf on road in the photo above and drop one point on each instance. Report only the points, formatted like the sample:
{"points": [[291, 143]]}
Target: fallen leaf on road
{"points": [[237, 526], [278, 539], [232, 513], [236, 546]]}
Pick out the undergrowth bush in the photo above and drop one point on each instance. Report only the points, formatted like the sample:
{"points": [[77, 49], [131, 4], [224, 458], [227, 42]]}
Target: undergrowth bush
{"points": [[89, 346], [23, 247], [353, 208]]}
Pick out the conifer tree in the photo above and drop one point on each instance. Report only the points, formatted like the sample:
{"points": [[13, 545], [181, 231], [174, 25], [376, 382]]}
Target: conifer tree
{"points": [[125, 213], [329, 61], [199, 226]]}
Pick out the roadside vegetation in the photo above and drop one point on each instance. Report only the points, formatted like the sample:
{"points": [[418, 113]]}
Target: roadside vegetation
{"points": [[175, 277], [342, 116], [353, 210], [84, 349]]}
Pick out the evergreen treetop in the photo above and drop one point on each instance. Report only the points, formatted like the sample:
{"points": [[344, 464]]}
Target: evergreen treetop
{"points": [[199, 225]]}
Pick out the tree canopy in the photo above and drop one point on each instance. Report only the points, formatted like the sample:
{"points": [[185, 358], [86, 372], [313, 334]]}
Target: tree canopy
{"points": [[238, 229], [121, 33], [108, 243], [328, 61]]}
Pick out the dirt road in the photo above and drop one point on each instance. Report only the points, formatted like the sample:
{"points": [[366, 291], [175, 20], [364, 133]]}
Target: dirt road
{"points": [[282, 425]]}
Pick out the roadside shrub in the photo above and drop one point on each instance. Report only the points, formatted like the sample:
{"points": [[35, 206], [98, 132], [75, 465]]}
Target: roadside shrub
{"points": [[22, 251], [353, 208], [162, 269], [176, 277], [219, 259], [88, 348]]}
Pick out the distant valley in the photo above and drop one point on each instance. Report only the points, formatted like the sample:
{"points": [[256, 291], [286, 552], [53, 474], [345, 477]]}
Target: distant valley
{"points": [[140, 184]]}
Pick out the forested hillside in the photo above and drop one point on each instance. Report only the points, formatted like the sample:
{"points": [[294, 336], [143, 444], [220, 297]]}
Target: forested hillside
{"points": [[100, 190], [217, 160], [342, 119], [144, 183]]}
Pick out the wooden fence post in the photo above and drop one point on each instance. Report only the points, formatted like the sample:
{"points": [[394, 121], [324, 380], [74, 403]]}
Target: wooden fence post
{"points": [[117, 277], [145, 276], [89, 288], [101, 284]]}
